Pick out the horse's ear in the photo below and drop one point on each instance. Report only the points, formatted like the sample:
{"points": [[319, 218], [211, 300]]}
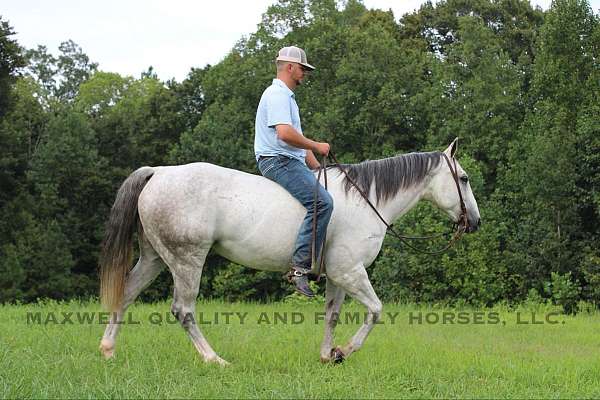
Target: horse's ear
{"points": [[451, 150]]}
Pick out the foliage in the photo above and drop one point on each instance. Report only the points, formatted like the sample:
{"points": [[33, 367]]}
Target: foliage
{"points": [[563, 291], [519, 86], [235, 283], [11, 59], [60, 76]]}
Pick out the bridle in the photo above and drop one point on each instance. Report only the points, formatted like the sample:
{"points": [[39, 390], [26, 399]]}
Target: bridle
{"points": [[460, 226], [463, 217]]}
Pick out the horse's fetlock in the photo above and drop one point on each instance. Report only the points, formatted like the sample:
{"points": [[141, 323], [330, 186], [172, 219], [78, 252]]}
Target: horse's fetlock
{"points": [[185, 317]]}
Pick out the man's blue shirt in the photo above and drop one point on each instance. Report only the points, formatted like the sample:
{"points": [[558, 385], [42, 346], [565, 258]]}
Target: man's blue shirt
{"points": [[277, 106]]}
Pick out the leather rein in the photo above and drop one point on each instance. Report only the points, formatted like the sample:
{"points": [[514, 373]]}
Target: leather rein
{"points": [[461, 225]]}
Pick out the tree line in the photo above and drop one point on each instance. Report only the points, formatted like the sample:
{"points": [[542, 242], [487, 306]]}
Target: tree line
{"points": [[518, 85]]}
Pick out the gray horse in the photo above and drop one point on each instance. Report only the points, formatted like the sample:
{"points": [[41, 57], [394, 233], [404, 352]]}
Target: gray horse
{"points": [[181, 212]]}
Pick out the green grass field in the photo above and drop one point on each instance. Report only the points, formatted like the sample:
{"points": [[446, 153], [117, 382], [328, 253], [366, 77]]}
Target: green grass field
{"points": [[486, 355]]}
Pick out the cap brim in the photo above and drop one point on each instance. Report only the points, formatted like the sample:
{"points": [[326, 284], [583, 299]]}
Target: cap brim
{"points": [[307, 65]]}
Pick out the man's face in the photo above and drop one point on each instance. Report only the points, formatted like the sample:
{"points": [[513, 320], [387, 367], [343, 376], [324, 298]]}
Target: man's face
{"points": [[299, 72]]}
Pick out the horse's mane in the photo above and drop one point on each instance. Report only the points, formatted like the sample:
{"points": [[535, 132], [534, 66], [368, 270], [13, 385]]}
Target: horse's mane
{"points": [[391, 174]]}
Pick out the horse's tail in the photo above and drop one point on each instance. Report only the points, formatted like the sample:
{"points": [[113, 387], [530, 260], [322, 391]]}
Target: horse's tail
{"points": [[117, 246]]}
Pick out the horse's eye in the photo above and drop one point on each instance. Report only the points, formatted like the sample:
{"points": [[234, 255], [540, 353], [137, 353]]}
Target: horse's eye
{"points": [[464, 178]]}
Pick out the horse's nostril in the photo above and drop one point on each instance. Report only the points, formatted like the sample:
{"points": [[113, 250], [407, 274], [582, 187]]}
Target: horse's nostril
{"points": [[474, 226]]}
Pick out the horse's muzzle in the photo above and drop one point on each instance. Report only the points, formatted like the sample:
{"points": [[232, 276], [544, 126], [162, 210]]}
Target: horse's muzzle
{"points": [[473, 227]]}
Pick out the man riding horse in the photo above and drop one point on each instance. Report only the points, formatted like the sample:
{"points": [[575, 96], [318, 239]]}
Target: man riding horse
{"points": [[182, 212], [284, 155]]}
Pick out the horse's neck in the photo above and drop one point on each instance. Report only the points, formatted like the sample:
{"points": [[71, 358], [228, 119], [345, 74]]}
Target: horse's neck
{"points": [[401, 203], [395, 207]]}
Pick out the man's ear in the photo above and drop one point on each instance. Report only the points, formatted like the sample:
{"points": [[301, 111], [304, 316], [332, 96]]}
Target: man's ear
{"points": [[451, 150]]}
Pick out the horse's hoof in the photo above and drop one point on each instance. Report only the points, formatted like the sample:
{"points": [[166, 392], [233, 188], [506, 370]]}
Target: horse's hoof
{"points": [[107, 348], [326, 359], [337, 355], [218, 360]]}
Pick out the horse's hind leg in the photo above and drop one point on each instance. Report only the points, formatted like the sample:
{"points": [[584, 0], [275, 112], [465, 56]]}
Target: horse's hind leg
{"points": [[145, 271], [187, 271]]}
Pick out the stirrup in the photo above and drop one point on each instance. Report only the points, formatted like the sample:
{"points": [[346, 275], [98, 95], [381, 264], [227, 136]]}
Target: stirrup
{"points": [[293, 273], [300, 280]]}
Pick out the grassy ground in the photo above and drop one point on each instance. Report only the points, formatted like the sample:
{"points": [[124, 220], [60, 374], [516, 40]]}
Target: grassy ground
{"points": [[489, 354]]}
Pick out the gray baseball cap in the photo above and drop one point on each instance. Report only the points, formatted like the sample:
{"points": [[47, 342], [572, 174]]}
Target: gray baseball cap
{"points": [[294, 54]]}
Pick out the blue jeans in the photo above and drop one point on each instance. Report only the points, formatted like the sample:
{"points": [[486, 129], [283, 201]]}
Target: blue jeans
{"points": [[300, 182]]}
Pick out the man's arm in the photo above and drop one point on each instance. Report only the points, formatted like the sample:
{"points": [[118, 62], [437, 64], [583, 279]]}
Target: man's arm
{"points": [[288, 134], [311, 160]]}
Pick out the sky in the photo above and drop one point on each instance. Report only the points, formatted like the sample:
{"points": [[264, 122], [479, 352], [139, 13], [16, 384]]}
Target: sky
{"points": [[128, 36]]}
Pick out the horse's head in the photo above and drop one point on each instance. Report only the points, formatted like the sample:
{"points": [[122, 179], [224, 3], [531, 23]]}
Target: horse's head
{"points": [[443, 191]]}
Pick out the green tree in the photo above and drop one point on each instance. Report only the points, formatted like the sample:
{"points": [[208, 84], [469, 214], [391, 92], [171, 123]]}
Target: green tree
{"points": [[546, 196], [100, 93], [149, 117], [11, 59], [20, 134], [38, 265], [68, 180], [60, 76], [515, 22], [191, 96], [477, 96]]}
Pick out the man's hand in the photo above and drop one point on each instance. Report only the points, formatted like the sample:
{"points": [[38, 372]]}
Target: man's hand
{"points": [[322, 148]]}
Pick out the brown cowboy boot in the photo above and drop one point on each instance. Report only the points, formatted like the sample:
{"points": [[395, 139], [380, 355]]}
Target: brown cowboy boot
{"points": [[300, 279]]}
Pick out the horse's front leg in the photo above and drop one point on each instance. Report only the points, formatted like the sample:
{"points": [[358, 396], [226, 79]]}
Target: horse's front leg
{"points": [[334, 298], [356, 283]]}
